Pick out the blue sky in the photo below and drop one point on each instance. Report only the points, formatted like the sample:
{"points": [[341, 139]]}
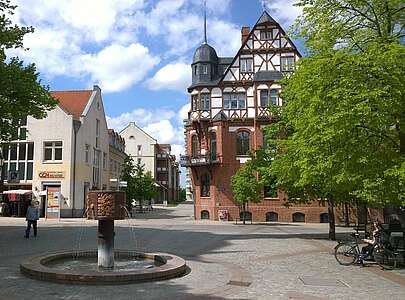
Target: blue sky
{"points": [[138, 51]]}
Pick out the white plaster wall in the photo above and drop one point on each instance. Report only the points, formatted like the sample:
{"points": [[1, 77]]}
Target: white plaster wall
{"points": [[147, 144]]}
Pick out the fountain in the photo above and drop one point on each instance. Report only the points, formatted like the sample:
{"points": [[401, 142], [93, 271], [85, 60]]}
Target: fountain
{"points": [[106, 265]]}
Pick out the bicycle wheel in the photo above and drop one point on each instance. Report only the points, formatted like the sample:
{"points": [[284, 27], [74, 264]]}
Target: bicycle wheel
{"points": [[385, 258], [346, 254]]}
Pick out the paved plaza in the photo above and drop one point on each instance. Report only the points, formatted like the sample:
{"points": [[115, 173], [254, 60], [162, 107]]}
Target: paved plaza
{"points": [[226, 261]]}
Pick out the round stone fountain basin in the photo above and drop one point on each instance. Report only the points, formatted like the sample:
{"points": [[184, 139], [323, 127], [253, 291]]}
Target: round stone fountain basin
{"points": [[81, 267]]}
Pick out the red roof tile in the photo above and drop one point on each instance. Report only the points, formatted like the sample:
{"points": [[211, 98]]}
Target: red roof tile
{"points": [[73, 102]]}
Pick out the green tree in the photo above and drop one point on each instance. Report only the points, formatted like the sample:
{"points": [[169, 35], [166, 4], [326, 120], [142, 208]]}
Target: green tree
{"points": [[128, 174], [182, 194], [246, 187], [341, 129], [145, 188], [21, 93]]}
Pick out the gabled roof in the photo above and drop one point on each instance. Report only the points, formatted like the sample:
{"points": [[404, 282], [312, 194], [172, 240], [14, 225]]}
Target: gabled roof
{"points": [[264, 18], [73, 102], [220, 117], [140, 130]]}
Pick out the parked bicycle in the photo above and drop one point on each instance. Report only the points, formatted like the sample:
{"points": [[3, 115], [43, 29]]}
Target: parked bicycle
{"points": [[349, 252]]}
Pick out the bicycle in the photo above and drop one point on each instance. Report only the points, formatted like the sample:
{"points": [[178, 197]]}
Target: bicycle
{"points": [[348, 253]]}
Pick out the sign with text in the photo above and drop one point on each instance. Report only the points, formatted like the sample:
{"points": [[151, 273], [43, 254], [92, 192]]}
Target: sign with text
{"points": [[53, 203], [51, 174]]}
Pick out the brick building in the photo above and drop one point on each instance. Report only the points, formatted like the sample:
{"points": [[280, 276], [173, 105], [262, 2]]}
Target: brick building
{"points": [[229, 100]]}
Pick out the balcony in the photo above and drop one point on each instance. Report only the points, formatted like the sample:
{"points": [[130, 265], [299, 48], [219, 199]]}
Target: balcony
{"points": [[199, 160]]}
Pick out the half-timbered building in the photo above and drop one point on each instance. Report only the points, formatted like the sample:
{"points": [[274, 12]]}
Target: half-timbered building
{"points": [[230, 97]]}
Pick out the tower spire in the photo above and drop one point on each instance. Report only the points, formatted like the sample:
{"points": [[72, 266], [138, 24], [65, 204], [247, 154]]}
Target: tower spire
{"points": [[205, 22]]}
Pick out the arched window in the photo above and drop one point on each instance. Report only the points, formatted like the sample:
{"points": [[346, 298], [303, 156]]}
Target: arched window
{"points": [[324, 218], [194, 146], [298, 217], [248, 215], [205, 185], [271, 216], [205, 215], [242, 143], [213, 148]]}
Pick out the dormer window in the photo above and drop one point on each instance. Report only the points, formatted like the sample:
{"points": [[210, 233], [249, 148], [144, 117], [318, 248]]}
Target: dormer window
{"points": [[266, 35], [246, 65]]}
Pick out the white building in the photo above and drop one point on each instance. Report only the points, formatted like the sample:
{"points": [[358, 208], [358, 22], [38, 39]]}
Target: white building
{"points": [[63, 155]]}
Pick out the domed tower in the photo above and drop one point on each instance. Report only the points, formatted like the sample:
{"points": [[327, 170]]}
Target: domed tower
{"points": [[205, 61]]}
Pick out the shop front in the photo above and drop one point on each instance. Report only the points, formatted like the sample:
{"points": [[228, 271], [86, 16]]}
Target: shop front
{"points": [[15, 203]]}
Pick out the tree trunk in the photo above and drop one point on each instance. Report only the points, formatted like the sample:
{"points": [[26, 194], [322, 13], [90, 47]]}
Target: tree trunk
{"points": [[244, 213], [347, 220], [331, 217]]}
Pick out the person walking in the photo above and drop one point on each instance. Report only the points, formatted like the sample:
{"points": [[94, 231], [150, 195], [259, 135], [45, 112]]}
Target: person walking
{"points": [[32, 218]]}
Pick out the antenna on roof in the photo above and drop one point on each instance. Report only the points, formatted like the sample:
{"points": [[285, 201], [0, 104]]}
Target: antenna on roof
{"points": [[205, 22]]}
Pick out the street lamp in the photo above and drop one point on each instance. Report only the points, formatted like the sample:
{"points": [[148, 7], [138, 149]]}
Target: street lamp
{"points": [[1, 172]]}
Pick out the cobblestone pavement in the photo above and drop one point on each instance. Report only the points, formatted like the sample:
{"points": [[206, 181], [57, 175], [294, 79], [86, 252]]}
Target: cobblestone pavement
{"points": [[226, 261]]}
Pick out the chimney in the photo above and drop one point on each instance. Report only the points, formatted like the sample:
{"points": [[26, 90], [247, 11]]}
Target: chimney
{"points": [[245, 33]]}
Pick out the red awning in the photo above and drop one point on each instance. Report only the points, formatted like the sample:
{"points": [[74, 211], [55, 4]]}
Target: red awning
{"points": [[12, 194]]}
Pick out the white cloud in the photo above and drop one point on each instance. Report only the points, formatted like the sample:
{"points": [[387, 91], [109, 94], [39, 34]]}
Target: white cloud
{"points": [[283, 11], [117, 67], [140, 116], [176, 76], [183, 113]]}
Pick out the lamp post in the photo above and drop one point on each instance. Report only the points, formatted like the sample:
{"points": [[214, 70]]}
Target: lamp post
{"points": [[1, 172]]}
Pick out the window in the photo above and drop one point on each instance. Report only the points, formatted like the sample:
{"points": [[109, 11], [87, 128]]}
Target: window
{"points": [[246, 215], [18, 157], [287, 63], [195, 70], [205, 69], [264, 98], [271, 216], [139, 150], [139, 161], [52, 151], [274, 97], [242, 143], [87, 153], [96, 168], [324, 218], [246, 65], [205, 215], [298, 217], [205, 185], [213, 147], [270, 192], [266, 35], [205, 102], [194, 146], [97, 132], [104, 160], [234, 100], [194, 103], [131, 137]]}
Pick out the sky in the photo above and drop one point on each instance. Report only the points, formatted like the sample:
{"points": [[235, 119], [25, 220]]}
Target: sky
{"points": [[138, 51]]}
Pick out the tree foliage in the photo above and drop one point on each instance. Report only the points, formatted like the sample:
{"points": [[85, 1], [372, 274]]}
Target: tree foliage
{"points": [[140, 184], [341, 128], [246, 187], [21, 93]]}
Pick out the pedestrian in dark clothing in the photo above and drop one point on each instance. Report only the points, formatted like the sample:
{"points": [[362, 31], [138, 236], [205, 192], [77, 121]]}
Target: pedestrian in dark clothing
{"points": [[32, 218]]}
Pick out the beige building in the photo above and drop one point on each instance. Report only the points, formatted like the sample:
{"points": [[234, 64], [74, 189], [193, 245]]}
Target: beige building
{"points": [[156, 158], [117, 158], [62, 156]]}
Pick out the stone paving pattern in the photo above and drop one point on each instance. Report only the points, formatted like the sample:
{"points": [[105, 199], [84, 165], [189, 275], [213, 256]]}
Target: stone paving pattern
{"points": [[227, 261]]}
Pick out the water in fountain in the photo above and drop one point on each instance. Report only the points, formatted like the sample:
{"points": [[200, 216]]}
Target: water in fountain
{"points": [[132, 229], [77, 245]]}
